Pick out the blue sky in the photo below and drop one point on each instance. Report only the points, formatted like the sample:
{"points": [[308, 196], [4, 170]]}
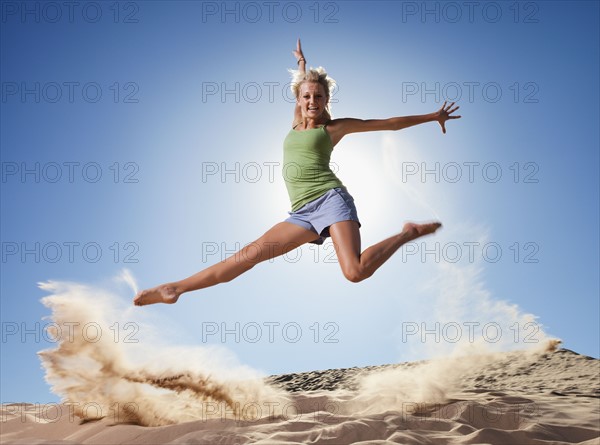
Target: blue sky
{"points": [[152, 133]]}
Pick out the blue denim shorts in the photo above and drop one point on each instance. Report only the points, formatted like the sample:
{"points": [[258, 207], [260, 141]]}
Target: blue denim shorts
{"points": [[334, 206]]}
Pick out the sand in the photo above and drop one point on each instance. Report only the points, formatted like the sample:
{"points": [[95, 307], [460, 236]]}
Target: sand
{"points": [[503, 398]]}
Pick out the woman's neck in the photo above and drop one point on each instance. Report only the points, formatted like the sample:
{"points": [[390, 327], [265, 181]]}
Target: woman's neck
{"points": [[308, 123]]}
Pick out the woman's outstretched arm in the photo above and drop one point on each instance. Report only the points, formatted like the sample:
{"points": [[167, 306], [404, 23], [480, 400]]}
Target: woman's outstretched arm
{"points": [[338, 128]]}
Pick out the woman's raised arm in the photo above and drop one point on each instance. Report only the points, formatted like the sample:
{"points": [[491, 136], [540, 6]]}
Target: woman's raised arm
{"points": [[338, 128], [302, 68]]}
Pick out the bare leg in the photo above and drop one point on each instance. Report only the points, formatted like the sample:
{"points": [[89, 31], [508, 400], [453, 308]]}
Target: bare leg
{"points": [[356, 266], [278, 240]]}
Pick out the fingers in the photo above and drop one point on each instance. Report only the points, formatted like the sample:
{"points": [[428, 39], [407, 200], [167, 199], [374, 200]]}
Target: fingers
{"points": [[453, 109], [450, 109]]}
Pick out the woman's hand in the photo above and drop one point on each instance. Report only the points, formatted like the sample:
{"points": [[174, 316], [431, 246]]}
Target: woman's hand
{"points": [[299, 57], [443, 114]]}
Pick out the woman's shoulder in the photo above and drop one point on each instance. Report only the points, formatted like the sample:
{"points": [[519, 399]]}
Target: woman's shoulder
{"points": [[338, 121], [335, 123]]}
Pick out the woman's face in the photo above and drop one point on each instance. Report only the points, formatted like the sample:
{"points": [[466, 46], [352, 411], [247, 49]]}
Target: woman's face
{"points": [[312, 99]]}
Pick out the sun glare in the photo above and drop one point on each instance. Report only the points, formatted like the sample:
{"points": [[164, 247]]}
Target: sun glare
{"points": [[359, 165]]}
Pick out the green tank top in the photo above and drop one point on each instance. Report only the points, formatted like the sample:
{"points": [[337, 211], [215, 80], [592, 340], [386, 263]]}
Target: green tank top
{"points": [[306, 169]]}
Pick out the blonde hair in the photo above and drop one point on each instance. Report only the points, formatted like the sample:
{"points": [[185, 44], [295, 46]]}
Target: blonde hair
{"points": [[317, 75]]}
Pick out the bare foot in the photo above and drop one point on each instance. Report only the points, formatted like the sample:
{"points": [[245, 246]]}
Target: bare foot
{"points": [[164, 293], [414, 231]]}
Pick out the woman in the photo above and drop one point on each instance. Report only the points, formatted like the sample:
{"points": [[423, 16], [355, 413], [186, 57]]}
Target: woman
{"points": [[321, 205]]}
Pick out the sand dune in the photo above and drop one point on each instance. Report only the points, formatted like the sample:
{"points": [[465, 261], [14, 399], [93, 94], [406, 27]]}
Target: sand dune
{"points": [[118, 392], [504, 398]]}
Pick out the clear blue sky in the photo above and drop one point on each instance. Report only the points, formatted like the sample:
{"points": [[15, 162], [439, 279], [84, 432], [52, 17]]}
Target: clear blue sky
{"points": [[153, 131]]}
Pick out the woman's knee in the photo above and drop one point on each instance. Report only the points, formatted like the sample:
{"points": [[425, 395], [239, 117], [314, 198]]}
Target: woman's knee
{"points": [[355, 273]]}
